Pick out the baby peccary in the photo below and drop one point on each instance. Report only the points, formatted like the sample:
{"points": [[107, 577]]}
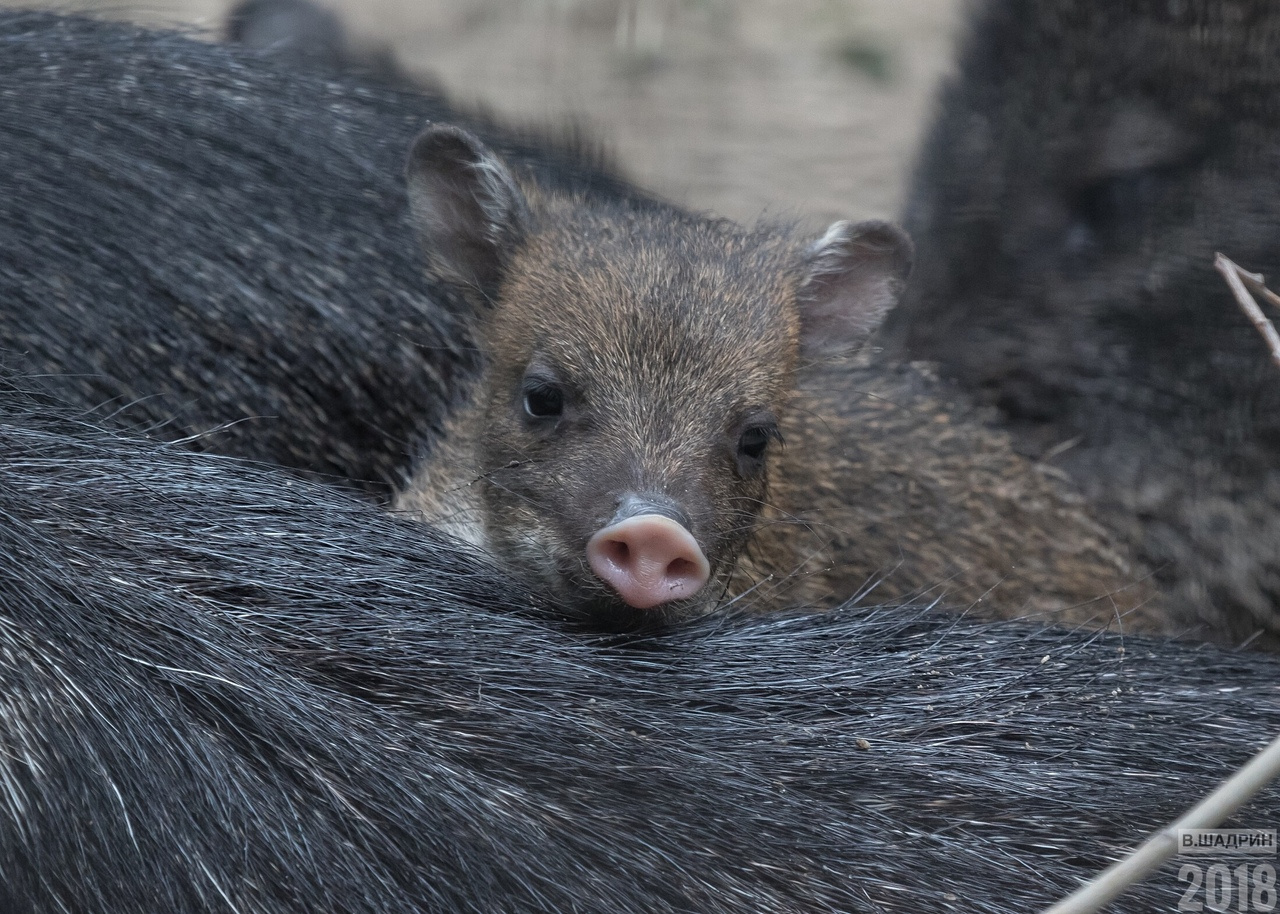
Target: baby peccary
{"points": [[668, 418]]}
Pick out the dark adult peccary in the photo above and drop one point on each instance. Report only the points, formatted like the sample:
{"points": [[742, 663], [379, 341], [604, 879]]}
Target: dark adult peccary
{"points": [[1087, 162], [200, 240], [222, 243], [224, 689], [643, 368]]}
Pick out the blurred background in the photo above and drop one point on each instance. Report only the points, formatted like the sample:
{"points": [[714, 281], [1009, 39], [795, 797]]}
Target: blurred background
{"points": [[742, 107]]}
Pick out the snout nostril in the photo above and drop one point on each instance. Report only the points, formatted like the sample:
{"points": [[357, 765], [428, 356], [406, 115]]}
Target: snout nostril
{"points": [[682, 568], [619, 552]]}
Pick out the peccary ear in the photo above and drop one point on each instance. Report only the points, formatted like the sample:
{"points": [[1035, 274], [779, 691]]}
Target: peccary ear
{"points": [[469, 210], [1136, 137], [856, 272]]}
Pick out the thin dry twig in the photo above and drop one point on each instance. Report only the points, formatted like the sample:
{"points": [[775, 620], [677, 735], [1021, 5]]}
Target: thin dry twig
{"points": [[1237, 790], [1257, 282], [1238, 279]]}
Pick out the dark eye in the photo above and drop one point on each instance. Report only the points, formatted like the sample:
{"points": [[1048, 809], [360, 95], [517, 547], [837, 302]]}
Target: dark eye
{"points": [[1121, 209], [752, 445], [753, 442], [543, 399], [1119, 204]]}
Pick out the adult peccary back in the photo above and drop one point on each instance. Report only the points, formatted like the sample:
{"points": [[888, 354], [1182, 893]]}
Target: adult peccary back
{"points": [[230, 249], [1087, 162], [671, 415], [225, 689], [197, 239]]}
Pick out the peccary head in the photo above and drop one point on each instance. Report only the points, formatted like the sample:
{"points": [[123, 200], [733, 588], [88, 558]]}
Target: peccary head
{"points": [[638, 362]]}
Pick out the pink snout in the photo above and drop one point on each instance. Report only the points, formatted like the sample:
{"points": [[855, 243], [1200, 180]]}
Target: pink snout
{"points": [[649, 560]]}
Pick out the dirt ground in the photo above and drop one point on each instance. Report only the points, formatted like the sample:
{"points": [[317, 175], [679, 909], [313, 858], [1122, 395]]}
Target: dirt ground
{"points": [[741, 107]]}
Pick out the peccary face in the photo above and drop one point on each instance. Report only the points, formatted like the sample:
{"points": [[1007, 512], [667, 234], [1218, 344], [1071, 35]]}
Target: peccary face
{"points": [[638, 360]]}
